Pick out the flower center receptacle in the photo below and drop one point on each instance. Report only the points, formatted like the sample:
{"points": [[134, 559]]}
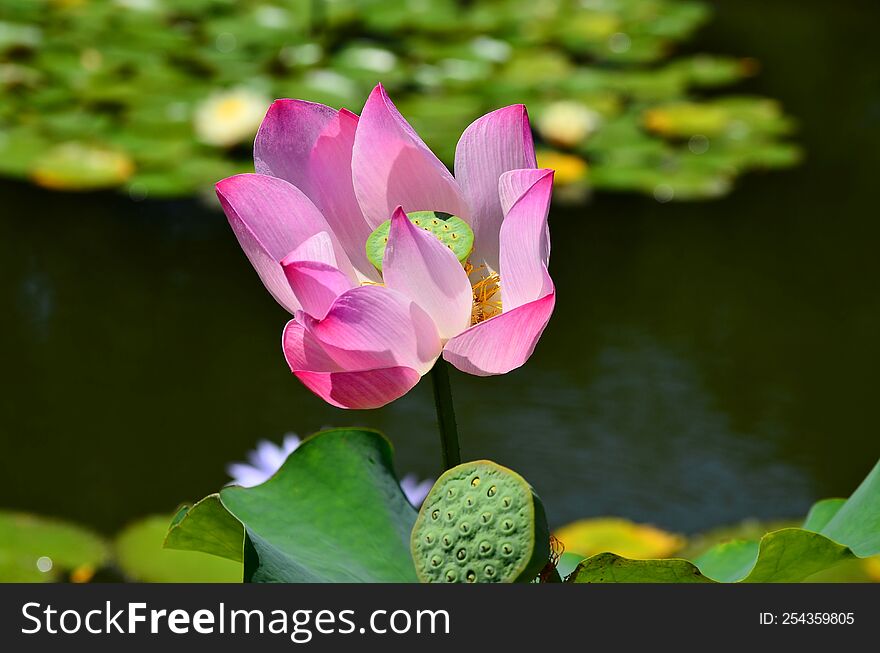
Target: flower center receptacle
{"points": [[449, 229]]}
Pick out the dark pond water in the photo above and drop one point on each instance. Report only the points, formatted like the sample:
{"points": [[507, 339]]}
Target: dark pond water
{"points": [[706, 362]]}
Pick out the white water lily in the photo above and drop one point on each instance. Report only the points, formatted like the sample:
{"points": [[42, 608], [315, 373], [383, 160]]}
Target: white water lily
{"points": [[567, 123], [230, 117], [268, 457]]}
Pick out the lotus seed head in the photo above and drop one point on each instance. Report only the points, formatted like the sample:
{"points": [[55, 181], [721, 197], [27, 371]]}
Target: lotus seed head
{"points": [[450, 230]]}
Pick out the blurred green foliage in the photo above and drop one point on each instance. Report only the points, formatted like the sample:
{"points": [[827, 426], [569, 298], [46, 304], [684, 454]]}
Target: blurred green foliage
{"points": [[37, 549], [162, 98]]}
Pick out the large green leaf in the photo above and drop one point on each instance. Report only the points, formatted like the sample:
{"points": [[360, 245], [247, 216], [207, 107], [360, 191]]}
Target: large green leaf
{"points": [[611, 568], [37, 549], [208, 527], [789, 555], [857, 522], [334, 512], [729, 561], [140, 557], [821, 513]]}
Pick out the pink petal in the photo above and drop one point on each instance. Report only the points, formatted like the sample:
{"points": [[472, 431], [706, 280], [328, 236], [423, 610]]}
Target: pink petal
{"points": [[312, 273], [372, 327], [513, 184], [316, 285], [271, 217], [359, 390], [502, 343], [422, 268], [392, 167], [310, 146], [490, 146], [286, 140], [314, 248], [525, 241]]}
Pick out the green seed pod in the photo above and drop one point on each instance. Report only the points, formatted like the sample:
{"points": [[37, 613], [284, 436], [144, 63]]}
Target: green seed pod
{"points": [[480, 523], [449, 229]]}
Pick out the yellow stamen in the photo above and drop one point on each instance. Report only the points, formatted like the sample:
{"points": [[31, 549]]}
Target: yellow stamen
{"points": [[487, 293]]}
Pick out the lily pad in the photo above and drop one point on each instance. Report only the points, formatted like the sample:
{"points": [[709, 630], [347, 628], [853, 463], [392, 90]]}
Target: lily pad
{"points": [[76, 166], [621, 536], [834, 531], [611, 568], [38, 549]]}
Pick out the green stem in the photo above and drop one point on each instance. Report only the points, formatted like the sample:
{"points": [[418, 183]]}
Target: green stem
{"points": [[445, 415]]}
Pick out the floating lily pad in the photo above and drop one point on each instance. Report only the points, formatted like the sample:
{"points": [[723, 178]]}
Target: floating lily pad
{"points": [[834, 532], [38, 549], [75, 166], [637, 541]]}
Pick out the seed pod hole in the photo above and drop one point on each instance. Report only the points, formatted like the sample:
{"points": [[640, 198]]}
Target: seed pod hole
{"points": [[470, 577], [461, 554], [492, 491]]}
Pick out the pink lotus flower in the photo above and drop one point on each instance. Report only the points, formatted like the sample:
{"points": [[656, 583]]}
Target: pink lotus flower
{"points": [[326, 179]]}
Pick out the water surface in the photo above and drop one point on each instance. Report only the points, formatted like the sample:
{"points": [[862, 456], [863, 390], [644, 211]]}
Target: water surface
{"points": [[706, 362]]}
